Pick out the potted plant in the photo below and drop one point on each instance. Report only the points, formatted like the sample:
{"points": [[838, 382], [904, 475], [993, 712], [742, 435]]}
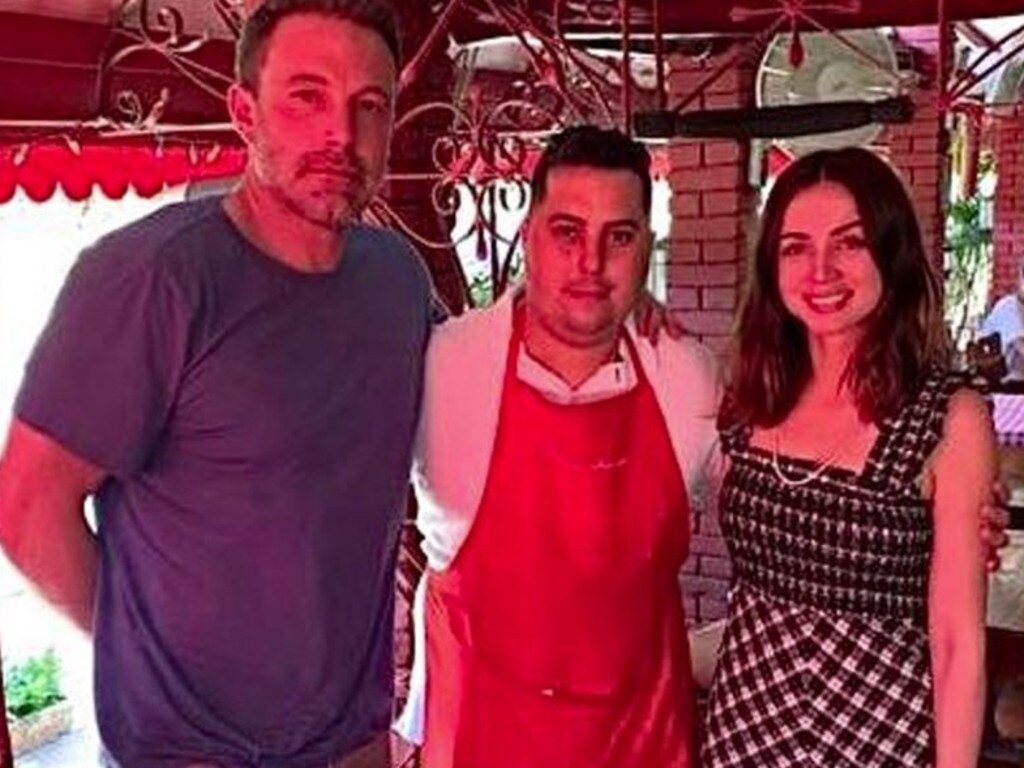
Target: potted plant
{"points": [[37, 711]]}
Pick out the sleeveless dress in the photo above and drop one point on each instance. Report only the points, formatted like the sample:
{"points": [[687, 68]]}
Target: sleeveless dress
{"points": [[825, 658]]}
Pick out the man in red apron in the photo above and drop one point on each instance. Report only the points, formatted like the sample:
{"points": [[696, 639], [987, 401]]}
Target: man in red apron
{"points": [[555, 453]]}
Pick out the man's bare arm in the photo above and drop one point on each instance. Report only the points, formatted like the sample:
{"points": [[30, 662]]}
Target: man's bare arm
{"points": [[42, 524]]}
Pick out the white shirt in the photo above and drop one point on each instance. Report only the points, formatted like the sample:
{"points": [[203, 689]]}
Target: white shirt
{"points": [[613, 378], [1007, 319]]}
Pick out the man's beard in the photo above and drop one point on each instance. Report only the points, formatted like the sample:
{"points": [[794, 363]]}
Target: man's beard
{"points": [[335, 216], [330, 208]]}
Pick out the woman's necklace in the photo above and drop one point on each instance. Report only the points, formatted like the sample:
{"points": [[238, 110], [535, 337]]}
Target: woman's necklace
{"points": [[797, 481]]}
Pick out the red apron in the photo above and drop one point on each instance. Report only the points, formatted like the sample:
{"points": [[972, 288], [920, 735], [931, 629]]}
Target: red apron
{"points": [[556, 639]]}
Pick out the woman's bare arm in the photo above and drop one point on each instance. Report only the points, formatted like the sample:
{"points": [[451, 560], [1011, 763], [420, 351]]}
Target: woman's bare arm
{"points": [[964, 469]]}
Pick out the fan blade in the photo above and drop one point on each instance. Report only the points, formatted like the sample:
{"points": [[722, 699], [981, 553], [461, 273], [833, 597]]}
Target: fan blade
{"points": [[772, 122]]}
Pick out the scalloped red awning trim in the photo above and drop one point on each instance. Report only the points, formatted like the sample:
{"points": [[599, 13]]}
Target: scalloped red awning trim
{"points": [[148, 169]]}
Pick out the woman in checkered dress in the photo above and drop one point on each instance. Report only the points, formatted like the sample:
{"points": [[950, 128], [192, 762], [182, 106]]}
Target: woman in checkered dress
{"points": [[855, 634]]}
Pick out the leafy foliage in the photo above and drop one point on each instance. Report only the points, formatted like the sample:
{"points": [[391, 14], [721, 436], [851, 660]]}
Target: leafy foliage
{"points": [[33, 685], [968, 253]]}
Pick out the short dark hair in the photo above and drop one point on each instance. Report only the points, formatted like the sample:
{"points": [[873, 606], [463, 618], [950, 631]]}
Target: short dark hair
{"points": [[905, 335], [377, 15], [592, 147]]}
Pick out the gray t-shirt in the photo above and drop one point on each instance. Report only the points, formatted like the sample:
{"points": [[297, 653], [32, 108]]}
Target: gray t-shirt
{"points": [[257, 424]]}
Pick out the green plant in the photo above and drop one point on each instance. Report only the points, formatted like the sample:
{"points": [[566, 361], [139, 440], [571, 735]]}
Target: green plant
{"points": [[968, 253], [33, 685], [481, 286], [480, 291]]}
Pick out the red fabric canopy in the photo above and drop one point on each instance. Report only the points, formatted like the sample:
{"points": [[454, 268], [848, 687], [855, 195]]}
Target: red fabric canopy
{"points": [[147, 168], [746, 16]]}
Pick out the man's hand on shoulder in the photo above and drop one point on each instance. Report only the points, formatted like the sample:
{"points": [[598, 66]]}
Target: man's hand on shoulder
{"points": [[653, 317]]}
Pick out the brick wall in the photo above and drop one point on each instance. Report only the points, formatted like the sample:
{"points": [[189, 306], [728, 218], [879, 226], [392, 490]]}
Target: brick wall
{"points": [[919, 149], [711, 208], [1008, 139]]}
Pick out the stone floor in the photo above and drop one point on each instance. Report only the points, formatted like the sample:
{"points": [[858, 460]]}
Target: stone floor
{"points": [[78, 749]]}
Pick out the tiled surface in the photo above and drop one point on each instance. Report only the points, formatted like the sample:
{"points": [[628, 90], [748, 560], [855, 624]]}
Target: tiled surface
{"points": [[78, 749]]}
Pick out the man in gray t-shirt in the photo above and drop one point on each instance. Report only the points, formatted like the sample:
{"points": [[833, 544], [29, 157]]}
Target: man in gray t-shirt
{"points": [[236, 381]]}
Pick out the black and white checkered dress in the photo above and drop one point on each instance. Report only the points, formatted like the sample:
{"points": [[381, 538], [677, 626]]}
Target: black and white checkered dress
{"points": [[825, 658]]}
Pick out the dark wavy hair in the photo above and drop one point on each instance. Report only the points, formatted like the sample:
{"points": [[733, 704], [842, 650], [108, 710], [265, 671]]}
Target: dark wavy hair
{"points": [[905, 334], [250, 52], [592, 147]]}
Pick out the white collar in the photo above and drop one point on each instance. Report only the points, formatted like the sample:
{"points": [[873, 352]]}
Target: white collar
{"points": [[611, 379]]}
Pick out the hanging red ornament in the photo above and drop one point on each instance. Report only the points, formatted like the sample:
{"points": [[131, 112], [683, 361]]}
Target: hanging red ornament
{"points": [[796, 50]]}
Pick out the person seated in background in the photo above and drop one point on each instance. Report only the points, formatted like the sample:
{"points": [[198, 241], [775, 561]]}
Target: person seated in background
{"points": [[1007, 319]]}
